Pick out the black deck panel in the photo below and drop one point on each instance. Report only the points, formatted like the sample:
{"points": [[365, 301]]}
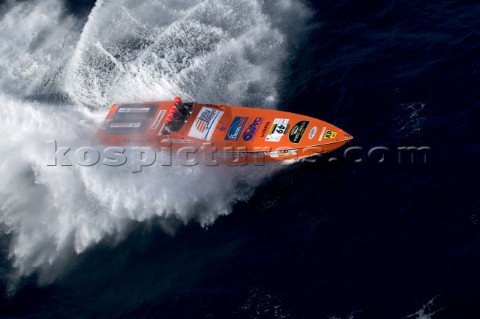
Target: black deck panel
{"points": [[131, 119]]}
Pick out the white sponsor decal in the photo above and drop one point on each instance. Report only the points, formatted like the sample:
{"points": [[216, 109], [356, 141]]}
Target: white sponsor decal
{"points": [[125, 125], [134, 110], [158, 119], [277, 130], [312, 133], [205, 123], [322, 133]]}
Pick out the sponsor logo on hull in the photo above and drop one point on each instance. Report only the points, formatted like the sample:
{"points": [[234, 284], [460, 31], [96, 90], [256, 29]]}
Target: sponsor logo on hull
{"points": [[277, 130], [205, 123], [236, 128], [297, 131], [134, 110], [322, 133], [125, 125], [312, 133], [330, 134], [252, 129], [264, 130]]}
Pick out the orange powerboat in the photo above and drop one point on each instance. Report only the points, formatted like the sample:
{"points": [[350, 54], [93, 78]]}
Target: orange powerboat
{"points": [[229, 134]]}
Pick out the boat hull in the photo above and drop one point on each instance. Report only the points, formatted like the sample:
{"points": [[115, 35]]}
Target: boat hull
{"points": [[222, 133]]}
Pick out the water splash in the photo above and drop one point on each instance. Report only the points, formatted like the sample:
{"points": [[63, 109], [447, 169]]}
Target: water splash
{"points": [[213, 51], [216, 51], [426, 312], [37, 40]]}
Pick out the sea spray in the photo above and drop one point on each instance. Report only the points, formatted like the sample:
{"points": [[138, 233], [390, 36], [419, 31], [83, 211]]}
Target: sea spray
{"points": [[210, 51]]}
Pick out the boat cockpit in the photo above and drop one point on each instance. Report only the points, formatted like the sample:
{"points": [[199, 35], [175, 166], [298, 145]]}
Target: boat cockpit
{"points": [[177, 116]]}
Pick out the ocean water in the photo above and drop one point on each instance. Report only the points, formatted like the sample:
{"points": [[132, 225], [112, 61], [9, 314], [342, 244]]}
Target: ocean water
{"points": [[367, 231]]}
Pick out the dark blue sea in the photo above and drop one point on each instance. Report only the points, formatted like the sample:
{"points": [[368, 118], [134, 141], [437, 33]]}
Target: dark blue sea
{"points": [[387, 226]]}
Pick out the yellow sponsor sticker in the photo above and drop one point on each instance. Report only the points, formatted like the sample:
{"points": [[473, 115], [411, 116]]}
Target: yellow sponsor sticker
{"points": [[330, 134]]}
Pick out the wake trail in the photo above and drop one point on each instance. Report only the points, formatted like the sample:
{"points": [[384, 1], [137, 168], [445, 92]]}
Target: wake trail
{"points": [[215, 51]]}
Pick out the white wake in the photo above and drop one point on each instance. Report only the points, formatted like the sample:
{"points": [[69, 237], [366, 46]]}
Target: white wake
{"points": [[216, 51]]}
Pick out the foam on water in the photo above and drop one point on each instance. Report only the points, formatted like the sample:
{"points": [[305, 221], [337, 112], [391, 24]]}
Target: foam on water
{"points": [[213, 51], [216, 51], [426, 312], [37, 40]]}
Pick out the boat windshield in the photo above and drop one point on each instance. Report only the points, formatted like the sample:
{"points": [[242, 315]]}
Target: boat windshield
{"points": [[176, 118]]}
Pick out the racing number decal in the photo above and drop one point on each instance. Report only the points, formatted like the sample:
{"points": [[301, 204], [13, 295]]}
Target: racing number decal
{"points": [[330, 134], [277, 130]]}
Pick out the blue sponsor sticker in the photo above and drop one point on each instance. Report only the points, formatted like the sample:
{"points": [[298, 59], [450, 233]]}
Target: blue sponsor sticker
{"points": [[235, 129], [252, 129]]}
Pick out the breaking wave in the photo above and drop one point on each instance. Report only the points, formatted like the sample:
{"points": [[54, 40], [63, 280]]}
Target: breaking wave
{"points": [[217, 51]]}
